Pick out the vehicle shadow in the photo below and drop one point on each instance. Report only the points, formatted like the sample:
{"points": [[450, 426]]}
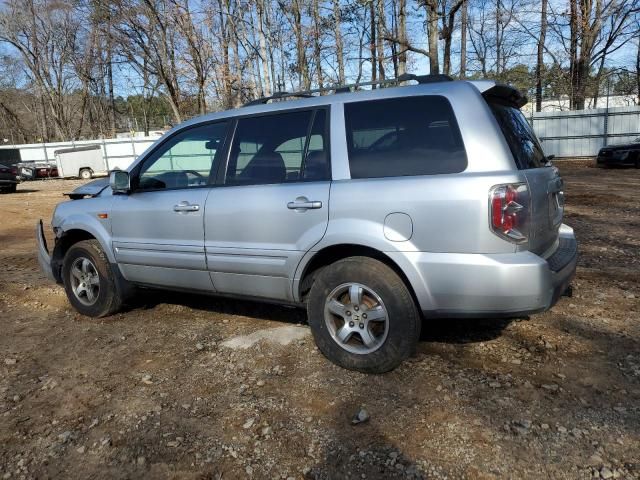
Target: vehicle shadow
{"points": [[434, 330], [463, 330], [24, 190], [149, 298]]}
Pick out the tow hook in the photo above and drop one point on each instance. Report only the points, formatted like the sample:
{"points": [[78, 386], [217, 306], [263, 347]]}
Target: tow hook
{"points": [[568, 292]]}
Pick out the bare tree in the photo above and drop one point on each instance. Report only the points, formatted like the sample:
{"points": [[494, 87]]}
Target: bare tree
{"points": [[147, 35], [540, 54], [448, 15], [45, 37], [262, 36], [381, 27], [463, 38], [317, 40], [337, 26], [432, 34]]}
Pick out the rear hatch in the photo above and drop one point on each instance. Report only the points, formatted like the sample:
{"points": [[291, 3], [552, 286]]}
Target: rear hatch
{"points": [[544, 182]]}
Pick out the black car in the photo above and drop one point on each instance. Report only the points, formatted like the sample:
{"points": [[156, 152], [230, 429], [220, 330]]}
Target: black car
{"points": [[625, 154], [8, 178]]}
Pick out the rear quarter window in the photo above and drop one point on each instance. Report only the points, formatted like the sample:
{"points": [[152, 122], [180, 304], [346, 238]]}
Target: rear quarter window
{"points": [[403, 137], [523, 143]]}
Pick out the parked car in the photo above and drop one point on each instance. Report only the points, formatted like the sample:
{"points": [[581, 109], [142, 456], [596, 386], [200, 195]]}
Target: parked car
{"points": [[371, 209], [37, 170], [623, 154], [8, 179]]}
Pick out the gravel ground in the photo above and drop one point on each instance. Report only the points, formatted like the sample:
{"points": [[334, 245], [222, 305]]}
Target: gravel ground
{"points": [[196, 387]]}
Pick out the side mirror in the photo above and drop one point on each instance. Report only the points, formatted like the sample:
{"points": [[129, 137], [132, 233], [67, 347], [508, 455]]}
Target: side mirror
{"points": [[119, 181], [548, 159]]}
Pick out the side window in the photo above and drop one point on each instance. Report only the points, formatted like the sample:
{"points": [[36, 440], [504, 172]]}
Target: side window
{"points": [[279, 148], [186, 160], [403, 137]]}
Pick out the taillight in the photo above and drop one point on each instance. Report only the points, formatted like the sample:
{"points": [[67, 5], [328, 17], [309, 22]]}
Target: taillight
{"points": [[14, 171], [508, 211]]}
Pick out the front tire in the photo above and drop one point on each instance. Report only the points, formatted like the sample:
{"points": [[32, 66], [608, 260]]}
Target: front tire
{"points": [[363, 316], [89, 281]]}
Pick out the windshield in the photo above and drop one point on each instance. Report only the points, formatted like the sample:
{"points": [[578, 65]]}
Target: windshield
{"points": [[522, 141]]}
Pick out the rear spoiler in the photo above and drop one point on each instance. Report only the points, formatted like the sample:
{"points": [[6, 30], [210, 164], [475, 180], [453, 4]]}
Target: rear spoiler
{"points": [[506, 94]]}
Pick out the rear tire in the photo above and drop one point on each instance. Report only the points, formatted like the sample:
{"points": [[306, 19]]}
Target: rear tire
{"points": [[13, 188], [88, 280], [86, 174], [363, 316]]}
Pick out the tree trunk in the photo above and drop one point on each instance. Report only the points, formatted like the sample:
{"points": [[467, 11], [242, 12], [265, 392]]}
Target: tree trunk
{"points": [[540, 57], [447, 33], [432, 32], [402, 36], [224, 46], [463, 40], [303, 67], [337, 26], [573, 52], [112, 102], [498, 41], [262, 39], [381, 27], [317, 42], [638, 70], [372, 42]]}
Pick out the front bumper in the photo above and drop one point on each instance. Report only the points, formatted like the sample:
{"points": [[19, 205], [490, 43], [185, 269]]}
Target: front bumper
{"points": [[476, 285], [44, 259]]}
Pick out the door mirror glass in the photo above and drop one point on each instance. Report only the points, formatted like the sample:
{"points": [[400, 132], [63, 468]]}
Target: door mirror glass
{"points": [[119, 181]]}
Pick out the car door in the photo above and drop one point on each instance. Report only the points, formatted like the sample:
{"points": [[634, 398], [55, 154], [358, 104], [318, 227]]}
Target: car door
{"points": [[274, 205], [158, 229]]}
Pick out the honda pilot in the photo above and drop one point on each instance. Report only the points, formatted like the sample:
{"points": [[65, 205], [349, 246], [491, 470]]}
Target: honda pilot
{"points": [[372, 209]]}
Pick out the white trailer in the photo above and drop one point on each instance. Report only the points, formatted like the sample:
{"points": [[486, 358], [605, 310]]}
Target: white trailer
{"points": [[84, 162]]}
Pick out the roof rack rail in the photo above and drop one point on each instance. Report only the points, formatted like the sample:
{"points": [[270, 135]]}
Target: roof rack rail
{"points": [[276, 96], [405, 77]]}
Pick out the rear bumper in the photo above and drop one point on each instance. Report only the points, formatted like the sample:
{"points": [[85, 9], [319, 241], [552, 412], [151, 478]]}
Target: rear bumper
{"points": [[44, 259], [474, 285]]}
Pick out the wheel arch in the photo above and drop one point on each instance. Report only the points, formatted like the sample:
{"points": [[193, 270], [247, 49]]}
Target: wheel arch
{"points": [[72, 232], [314, 263], [63, 243]]}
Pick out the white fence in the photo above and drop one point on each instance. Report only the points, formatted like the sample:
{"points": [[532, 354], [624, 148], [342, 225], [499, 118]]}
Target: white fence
{"points": [[117, 152], [581, 133], [564, 134]]}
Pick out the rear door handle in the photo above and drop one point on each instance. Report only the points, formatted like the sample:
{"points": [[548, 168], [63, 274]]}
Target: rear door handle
{"points": [[302, 203], [186, 207]]}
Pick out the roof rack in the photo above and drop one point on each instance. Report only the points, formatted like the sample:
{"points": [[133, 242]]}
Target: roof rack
{"points": [[405, 77], [276, 96]]}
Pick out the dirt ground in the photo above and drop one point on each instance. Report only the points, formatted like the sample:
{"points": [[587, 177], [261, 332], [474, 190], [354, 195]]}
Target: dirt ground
{"points": [[155, 392]]}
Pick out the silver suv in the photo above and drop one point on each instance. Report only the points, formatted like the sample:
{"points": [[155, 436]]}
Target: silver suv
{"points": [[371, 209]]}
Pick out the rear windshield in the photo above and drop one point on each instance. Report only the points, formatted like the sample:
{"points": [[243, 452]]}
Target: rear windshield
{"points": [[523, 143]]}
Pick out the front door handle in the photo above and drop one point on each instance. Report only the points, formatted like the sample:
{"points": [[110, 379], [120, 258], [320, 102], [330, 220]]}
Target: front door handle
{"points": [[186, 207], [303, 203]]}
